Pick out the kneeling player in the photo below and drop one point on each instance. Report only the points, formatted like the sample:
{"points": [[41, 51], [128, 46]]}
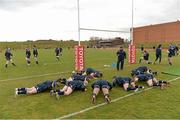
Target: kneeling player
{"points": [[69, 88], [150, 80], [41, 87], [126, 82], [99, 85]]}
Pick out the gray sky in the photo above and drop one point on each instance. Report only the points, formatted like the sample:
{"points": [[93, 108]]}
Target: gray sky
{"points": [[57, 19]]}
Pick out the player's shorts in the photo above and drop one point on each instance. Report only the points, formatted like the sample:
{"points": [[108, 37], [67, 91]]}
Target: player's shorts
{"points": [[101, 84], [8, 58], [41, 87]]}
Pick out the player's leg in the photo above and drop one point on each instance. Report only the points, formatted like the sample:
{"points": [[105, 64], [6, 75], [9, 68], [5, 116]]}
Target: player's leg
{"points": [[105, 90], [36, 59], [122, 64], [95, 93], [12, 62], [7, 62], [117, 66]]}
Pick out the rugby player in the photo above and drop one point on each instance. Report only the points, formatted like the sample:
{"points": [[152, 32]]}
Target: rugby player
{"points": [[58, 52], [101, 85], [8, 56], [142, 70], [158, 54], [150, 80], [127, 83], [69, 87], [35, 53], [92, 73], [145, 57], [28, 55], [121, 56], [41, 87]]}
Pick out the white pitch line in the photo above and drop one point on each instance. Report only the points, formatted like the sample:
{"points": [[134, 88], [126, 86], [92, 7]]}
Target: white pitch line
{"points": [[102, 104], [33, 76]]}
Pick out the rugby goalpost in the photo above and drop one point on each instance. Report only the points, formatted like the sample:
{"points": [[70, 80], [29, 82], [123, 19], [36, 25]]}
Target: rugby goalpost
{"points": [[79, 49]]}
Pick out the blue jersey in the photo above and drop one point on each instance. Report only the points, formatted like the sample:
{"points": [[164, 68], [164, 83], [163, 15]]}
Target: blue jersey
{"points": [[121, 54], [146, 56], [8, 55], [139, 70], [41, 87], [89, 71], [158, 51], [35, 52], [145, 77], [76, 85], [121, 80], [78, 77], [28, 53]]}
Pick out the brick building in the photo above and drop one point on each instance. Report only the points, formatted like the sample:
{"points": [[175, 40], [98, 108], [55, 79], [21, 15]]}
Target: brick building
{"points": [[158, 33], [111, 42]]}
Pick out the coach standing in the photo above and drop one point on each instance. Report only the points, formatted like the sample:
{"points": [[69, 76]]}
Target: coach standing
{"points": [[121, 56], [158, 54]]}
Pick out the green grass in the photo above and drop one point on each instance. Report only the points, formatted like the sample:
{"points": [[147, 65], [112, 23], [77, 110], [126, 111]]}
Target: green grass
{"points": [[151, 104]]}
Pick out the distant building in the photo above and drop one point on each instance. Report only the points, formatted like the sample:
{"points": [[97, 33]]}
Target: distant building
{"points": [[158, 33], [102, 43]]}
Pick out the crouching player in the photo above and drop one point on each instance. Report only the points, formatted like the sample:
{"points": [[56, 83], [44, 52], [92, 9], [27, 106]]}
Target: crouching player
{"points": [[93, 73], [126, 82], [142, 70], [101, 85], [69, 88], [150, 80], [41, 87]]}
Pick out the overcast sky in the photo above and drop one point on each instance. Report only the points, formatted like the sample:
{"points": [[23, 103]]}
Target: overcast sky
{"points": [[22, 20]]}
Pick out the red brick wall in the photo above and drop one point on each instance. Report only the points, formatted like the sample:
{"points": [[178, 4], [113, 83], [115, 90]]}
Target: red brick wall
{"points": [[167, 32]]}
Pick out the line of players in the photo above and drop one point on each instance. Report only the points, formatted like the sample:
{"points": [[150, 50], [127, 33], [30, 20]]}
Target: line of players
{"points": [[9, 55], [80, 80], [172, 51]]}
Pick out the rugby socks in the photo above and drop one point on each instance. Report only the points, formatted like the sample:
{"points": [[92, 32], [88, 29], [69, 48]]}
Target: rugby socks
{"points": [[161, 81], [139, 86], [170, 63], [13, 64], [37, 62], [6, 65], [21, 89], [22, 92], [60, 92], [129, 88], [156, 84]]}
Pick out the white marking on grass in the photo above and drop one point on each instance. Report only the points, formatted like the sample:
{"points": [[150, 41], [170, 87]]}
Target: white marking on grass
{"points": [[33, 76], [102, 104]]}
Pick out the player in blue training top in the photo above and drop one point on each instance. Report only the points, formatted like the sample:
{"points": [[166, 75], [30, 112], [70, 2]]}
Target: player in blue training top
{"points": [[41, 87], [127, 83], [101, 85], [69, 87], [158, 54], [8, 56], [92, 73], [58, 52], [35, 53], [145, 57], [142, 70], [150, 80], [28, 56]]}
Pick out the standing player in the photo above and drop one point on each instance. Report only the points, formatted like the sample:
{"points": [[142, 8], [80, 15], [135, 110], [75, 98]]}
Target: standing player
{"points": [[171, 53], [126, 82], [158, 54], [145, 57], [35, 53], [41, 87], [8, 56], [101, 85], [57, 51], [28, 55], [121, 56]]}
